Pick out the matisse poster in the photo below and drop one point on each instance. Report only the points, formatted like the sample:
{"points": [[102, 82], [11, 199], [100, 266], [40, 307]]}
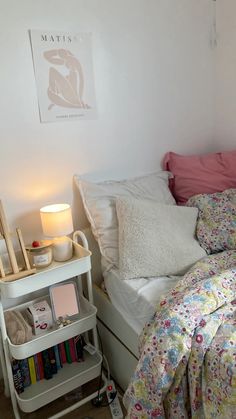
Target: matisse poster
{"points": [[64, 75]]}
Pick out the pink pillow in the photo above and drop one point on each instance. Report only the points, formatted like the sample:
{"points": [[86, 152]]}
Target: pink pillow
{"points": [[207, 173]]}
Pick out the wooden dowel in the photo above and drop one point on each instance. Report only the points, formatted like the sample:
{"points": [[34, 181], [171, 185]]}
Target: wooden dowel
{"points": [[8, 241], [19, 275], [1, 230], [2, 269], [22, 245]]}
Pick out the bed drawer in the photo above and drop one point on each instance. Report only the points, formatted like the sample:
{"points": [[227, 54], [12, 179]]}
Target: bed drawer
{"points": [[121, 362], [115, 321]]}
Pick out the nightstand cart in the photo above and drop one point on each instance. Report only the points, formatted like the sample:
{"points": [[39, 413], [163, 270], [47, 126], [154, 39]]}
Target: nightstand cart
{"points": [[72, 375]]}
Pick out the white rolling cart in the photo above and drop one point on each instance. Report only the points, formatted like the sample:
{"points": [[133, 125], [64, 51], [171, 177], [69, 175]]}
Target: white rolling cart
{"points": [[72, 375]]}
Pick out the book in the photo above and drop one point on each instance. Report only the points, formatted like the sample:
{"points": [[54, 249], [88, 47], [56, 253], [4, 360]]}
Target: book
{"points": [[46, 365], [40, 365], [57, 356], [68, 354], [72, 350], [17, 377], [32, 370], [62, 352], [24, 367], [52, 359], [79, 345], [36, 367]]}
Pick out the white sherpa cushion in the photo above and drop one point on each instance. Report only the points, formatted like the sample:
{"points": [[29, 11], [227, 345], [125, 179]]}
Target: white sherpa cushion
{"points": [[156, 239], [100, 207]]}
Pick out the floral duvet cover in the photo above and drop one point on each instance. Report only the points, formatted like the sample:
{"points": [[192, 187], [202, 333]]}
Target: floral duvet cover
{"points": [[187, 366]]}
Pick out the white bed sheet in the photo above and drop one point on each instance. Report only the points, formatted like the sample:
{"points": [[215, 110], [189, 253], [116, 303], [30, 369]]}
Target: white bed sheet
{"points": [[136, 299]]}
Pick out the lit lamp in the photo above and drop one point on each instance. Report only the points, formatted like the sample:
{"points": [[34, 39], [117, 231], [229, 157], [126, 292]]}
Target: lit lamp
{"points": [[57, 223]]}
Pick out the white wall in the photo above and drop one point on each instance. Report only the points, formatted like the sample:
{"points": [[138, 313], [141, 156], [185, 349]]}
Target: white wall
{"points": [[225, 97], [154, 88]]}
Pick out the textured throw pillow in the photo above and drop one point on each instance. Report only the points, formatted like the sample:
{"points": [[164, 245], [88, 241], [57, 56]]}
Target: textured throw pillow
{"points": [[198, 174], [156, 239], [99, 203], [216, 226]]}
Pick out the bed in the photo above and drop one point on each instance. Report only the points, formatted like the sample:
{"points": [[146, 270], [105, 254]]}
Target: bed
{"points": [[186, 305]]}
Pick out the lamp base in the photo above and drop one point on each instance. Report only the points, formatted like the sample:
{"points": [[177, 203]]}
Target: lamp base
{"points": [[62, 249]]}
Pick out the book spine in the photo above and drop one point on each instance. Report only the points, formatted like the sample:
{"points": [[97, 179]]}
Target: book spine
{"points": [[79, 345], [17, 377], [68, 354], [62, 352], [24, 366], [40, 365], [46, 365], [36, 367], [72, 350], [57, 356], [52, 359], [32, 370]]}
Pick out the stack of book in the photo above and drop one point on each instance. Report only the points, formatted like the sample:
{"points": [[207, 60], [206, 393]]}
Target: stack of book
{"points": [[45, 364]]}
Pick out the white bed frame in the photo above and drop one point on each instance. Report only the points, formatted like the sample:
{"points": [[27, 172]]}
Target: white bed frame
{"points": [[119, 341]]}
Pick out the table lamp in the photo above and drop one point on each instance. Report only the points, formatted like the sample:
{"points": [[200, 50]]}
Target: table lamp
{"points": [[57, 223]]}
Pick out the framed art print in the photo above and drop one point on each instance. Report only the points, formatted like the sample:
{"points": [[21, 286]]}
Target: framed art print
{"points": [[64, 75]]}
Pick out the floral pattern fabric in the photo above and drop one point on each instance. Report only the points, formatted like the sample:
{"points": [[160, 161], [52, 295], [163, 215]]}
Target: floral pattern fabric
{"points": [[187, 366], [216, 225]]}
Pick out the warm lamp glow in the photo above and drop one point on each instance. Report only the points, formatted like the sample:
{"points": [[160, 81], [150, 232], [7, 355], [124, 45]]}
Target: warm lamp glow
{"points": [[57, 222]]}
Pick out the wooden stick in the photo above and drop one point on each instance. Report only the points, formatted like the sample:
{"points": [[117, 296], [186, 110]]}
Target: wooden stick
{"points": [[8, 241], [1, 230], [22, 245], [22, 274], [2, 269]]}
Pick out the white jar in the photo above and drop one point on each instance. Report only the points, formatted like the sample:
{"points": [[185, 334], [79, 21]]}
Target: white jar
{"points": [[41, 256]]}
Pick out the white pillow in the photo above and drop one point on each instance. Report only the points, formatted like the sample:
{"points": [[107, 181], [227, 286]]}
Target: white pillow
{"points": [[99, 203], [156, 239]]}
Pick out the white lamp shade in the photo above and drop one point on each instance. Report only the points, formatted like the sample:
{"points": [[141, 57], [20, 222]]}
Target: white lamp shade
{"points": [[56, 220]]}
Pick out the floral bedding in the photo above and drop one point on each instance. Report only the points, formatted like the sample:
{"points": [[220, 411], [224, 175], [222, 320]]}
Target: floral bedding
{"points": [[216, 226], [187, 366]]}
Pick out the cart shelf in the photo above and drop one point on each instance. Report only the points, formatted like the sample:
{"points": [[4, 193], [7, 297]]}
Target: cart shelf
{"points": [[85, 320], [55, 273], [70, 376]]}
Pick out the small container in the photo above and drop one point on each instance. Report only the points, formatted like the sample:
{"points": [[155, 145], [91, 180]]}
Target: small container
{"points": [[41, 256], [39, 315]]}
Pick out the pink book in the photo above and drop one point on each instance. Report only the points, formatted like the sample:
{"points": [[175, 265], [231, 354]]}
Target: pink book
{"points": [[72, 350], [62, 352]]}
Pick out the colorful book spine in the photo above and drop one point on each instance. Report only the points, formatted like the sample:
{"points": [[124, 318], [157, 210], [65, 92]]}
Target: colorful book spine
{"points": [[57, 356], [62, 352], [17, 377], [72, 350], [46, 365], [40, 365], [32, 370], [24, 366], [68, 354]]}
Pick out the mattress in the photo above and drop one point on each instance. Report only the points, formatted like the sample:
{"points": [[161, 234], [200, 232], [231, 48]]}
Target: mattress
{"points": [[136, 299]]}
